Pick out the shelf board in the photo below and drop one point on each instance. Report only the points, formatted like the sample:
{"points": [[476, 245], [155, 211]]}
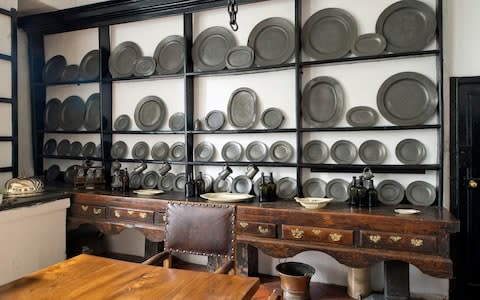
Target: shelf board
{"points": [[409, 169], [5, 57], [146, 132], [7, 138], [69, 131], [6, 169], [148, 161], [6, 100], [77, 82], [235, 131], [242, 163], [373, 128], [71, 157], [143, 78], [251, 70]]}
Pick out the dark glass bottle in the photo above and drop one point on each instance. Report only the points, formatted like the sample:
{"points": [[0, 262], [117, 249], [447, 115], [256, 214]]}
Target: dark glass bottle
{"points": [[125, 181], [199, 185], [371, 193], [272, 189], [262, 190], [353, 192], [189, 187], [362, 193]]}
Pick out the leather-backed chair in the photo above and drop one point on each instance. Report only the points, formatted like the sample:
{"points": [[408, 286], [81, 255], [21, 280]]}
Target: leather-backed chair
{"points": [[200, 229]]}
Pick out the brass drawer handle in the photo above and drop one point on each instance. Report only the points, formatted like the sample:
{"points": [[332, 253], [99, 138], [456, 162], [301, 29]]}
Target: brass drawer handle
{"points": [[416, 242], [164, 218], [97, 211], [375, 238], [84, 207], [116, 213], [395, 238], [130, 212], [316, 231], [243, 224], [297, 233], [335, 237], [143, 215], [263, 230]]}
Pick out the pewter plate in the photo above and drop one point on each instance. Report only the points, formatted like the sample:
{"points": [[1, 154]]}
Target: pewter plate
{"points": [[410, 151], [179, 182], [150, 180], [123, 59], [89, 66], [52, 173], [160, 151], [76, 148], [281, 151], [421, 193], [119, 150], [52, 114], [256, 151], [177, 121], [322, 102], [407, 98], [53, 69], [239, 57], [98, 151], [64, 147], [169, 55], [177, 151], [70, 73], [90, 149], [242, 184], [337, 189], [226, 197], [242, 108], [211, 47], [136, 180], [166, 182], [70, 173], [204, 151], [369, 44], [273, 41], [315, 152], [208, 182], [215, 120], [390, 192], [145, 66], [232, 151], [92, 113], [272, 118], [140, 150], [329, 34], [372, 152], [122, 123], [286, 188], [343, 152], [50, 147], [362, 116], [222, 185], [407, 25], [150, 113], [314, 187], [72, 113]]}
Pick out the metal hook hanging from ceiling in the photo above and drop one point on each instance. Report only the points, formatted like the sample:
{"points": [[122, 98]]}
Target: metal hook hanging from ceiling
{"points": [[232, 12]]}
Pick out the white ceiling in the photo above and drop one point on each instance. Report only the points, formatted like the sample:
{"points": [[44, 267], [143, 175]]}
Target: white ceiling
{"points": [[30, 7]]}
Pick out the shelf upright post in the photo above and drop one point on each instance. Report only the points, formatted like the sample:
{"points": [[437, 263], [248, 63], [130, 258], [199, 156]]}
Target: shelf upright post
{"points": [[105, 99], [439, 14], [188, 89], [14, 72], [298, 90]]}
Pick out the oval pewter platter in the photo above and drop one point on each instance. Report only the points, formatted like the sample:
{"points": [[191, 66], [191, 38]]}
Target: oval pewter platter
{"points": [[150, 113], [242, 108], [362, 116], [369, 44], [239, 57]]}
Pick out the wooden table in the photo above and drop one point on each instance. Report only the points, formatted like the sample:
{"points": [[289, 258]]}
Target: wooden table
{"points": [[91, 277]]}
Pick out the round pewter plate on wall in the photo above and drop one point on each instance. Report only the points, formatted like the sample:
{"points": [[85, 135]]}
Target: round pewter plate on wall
{"points": [[315, 152], [89, 66], [150, 113], [72, 113], [343, 152], [390, 192], [123, 59], [421, 193], [92, 113], [372, 152], [52, 114], [211, 47], [232, 151], [410, 151], [242, 108], [215, 120], [272, 118], [169, 55]]}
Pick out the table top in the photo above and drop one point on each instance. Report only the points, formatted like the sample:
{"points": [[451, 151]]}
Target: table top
{"points": [[92, 277]]}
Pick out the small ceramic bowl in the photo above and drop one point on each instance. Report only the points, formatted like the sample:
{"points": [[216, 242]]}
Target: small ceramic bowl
{"points": [[312, 202]]}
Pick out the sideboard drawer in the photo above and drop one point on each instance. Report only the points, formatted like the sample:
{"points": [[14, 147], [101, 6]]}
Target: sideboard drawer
{"points": [[160, 217], [317, 234], [261, 229], [144, 216], [388, 240], [86, 210]]}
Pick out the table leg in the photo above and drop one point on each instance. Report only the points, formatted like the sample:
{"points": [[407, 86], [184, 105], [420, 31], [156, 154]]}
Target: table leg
{"points": [[152, 248], [247, 259], [397, 281]]}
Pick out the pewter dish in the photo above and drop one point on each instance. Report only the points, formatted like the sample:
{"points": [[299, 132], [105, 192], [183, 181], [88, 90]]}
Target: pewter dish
{"points": [[92, 113], [177, 151], [179, 182], [273, 41], [89, 149], [239, 57], [72, 113], [50, 147], [329, 34], [222, 185], [166, 182], [136, 180], [89, 66], [343, 152], [148, 192], [160, 151], [315, 152], [390, 192], [211, 47], [406, 211], [169, 55], [119, 150], [272, 118], [208, 182], [98, 151], [76, 148], [232, 151], [52, 114], [70, 73], [123, 59], [122, 123], [281, 151], [215, 120], [176, 122], [407, 25], [322, 102], [70, 174], [286, 188], [145, 66], [140, 150], [53, 69], [64, 147], [242, 108], [369, 44], [226, 197], [150, 113], [204, 151], [314, 187], [256, 151], [421, 193], [337, 189], [410, 151], [150, 180], [372, 152], [242, 184], [362, 116], [52, 173], [407, 98]]}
